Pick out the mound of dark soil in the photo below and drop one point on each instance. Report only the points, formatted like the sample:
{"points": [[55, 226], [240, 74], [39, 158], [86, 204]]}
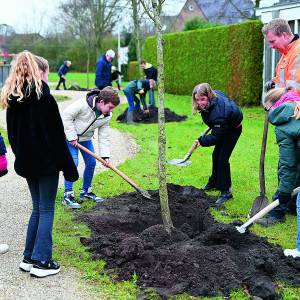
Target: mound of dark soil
{"points": [[200, 256], [151, 117]]}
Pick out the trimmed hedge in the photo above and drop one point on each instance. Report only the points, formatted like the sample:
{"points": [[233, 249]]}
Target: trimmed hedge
{"points": [[133, 71], [229, 58]]}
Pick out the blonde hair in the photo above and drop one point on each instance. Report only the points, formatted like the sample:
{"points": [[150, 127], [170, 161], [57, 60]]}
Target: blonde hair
{"points": [[277, 26], [275, 94], [25, 73], [202, 89]]}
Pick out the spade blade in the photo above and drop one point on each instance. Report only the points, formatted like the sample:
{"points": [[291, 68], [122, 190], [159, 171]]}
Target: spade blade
{"points": [[179, 162]]}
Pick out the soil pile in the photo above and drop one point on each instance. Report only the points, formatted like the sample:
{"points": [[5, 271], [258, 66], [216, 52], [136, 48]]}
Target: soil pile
{"points": [[151, 117], [200, 256]]}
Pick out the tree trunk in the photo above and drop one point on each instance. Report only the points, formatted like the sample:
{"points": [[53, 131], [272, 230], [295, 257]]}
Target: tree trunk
{"points": [[163, 192], [137, 34], [88, 69]]}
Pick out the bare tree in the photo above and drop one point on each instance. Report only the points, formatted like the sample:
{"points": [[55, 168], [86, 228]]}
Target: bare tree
{"points": [[136, 22], [153, 9]]}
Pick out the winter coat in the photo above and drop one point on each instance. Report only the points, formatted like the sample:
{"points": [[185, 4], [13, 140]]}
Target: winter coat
{"points": [[222, 116], [133, 87], [80, 120], [103, 72], [150, 72], [288, 67], [37, 139], [288, 139], [63, 69]]}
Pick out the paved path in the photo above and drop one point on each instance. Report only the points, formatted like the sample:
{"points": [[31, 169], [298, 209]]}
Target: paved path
{"points": [[15, 208]]}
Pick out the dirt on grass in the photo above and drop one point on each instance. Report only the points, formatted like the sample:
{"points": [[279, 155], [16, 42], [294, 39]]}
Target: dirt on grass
{"points": [[152, 117], [199, 257]]}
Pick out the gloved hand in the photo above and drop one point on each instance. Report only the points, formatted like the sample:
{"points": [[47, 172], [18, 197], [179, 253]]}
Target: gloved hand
{"points": [[269, 85], [3, 165], [284, 198]]}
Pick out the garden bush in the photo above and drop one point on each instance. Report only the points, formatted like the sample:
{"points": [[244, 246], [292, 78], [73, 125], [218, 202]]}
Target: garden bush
{"points": [[230, 58]]}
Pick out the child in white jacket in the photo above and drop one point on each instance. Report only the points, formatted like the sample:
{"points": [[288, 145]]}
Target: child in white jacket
{"points": [[80, 120]]}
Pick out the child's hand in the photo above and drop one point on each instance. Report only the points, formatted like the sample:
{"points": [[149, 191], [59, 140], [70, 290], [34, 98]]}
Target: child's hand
{"points": [[74, 143], [141, 92], [106, 162]]}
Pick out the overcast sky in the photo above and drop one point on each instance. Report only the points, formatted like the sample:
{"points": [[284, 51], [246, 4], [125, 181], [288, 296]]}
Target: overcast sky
{"points": [[35, 15]]}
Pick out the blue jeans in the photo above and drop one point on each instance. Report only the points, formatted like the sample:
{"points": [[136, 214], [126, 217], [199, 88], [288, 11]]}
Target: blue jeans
{"points": [[133, 101], [298, 221], [39, 232], [151, 98], [90, 164]]}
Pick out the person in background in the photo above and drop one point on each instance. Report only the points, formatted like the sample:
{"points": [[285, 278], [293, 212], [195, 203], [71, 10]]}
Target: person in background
{"points": [[81, 119], [62, 71], [150, 73], [103, 70], [3, 171], [279, 35], [36, 136], [224, 117], [133, 88]]}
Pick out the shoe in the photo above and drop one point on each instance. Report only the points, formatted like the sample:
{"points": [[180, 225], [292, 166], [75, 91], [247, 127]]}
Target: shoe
{"points": [[3, 248], [269, 220], [26, 264], [224, 197], [41, 269], [292, 252], [209, 187], [69, 200], [90, 195]]}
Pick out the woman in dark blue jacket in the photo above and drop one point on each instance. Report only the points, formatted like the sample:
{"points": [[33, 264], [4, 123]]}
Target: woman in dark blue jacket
{"points": [[224, 118]]}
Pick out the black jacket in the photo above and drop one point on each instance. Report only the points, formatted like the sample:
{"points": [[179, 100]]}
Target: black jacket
{"points": [[151, 73], [222, 116], [36, 135]]}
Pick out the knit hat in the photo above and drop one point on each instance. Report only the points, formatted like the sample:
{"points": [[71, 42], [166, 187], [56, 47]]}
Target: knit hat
{"points": [[287, 97]]}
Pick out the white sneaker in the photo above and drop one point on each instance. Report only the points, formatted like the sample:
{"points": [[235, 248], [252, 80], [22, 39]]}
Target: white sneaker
{"points": [[292, 252], [3, 248]]}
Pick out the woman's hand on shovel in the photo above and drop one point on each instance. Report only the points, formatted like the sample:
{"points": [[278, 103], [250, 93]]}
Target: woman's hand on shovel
{"points": [[197, 143]]}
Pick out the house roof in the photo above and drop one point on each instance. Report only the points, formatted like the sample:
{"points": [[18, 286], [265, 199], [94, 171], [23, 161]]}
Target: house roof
{"points": [[226, 11]]}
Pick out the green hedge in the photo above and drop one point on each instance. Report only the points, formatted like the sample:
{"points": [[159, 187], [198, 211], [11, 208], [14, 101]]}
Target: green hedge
{"points": [[230, 58], [133, 71]]}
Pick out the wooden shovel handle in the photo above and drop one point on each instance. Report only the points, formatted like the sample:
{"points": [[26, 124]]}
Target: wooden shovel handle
{"points": [[195, 144], [121, 174], [262, 181], [261, 213]]}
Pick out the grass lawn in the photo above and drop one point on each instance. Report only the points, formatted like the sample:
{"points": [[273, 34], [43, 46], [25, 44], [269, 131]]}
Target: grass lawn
{"points": [[76, 78], [143, 170]]}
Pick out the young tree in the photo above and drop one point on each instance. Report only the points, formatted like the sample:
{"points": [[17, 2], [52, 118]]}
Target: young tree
{"points": [[153, 9]]}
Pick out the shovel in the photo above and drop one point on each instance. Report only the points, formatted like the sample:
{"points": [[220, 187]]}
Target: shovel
{"points": [[260, 214], [263, 212], [126, 178], [261, 201], [184, 162]]}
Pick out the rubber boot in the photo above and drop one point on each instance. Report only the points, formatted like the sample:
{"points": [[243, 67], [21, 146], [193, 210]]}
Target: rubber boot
{"points": [[129, 118]]}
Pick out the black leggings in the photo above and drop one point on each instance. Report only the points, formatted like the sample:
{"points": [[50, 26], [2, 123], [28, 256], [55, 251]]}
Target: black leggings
{"points": [[221, 177], [63, 81]]}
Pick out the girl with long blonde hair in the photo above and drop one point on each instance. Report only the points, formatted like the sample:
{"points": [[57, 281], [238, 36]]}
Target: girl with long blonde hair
{"points": [[37, 139]]}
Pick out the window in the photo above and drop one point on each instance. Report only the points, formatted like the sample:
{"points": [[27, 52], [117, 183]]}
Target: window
{"points": [[191, 8]]}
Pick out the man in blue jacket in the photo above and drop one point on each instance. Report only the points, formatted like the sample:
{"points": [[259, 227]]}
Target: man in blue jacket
{"points": [[62, 71], [103, 70]]}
